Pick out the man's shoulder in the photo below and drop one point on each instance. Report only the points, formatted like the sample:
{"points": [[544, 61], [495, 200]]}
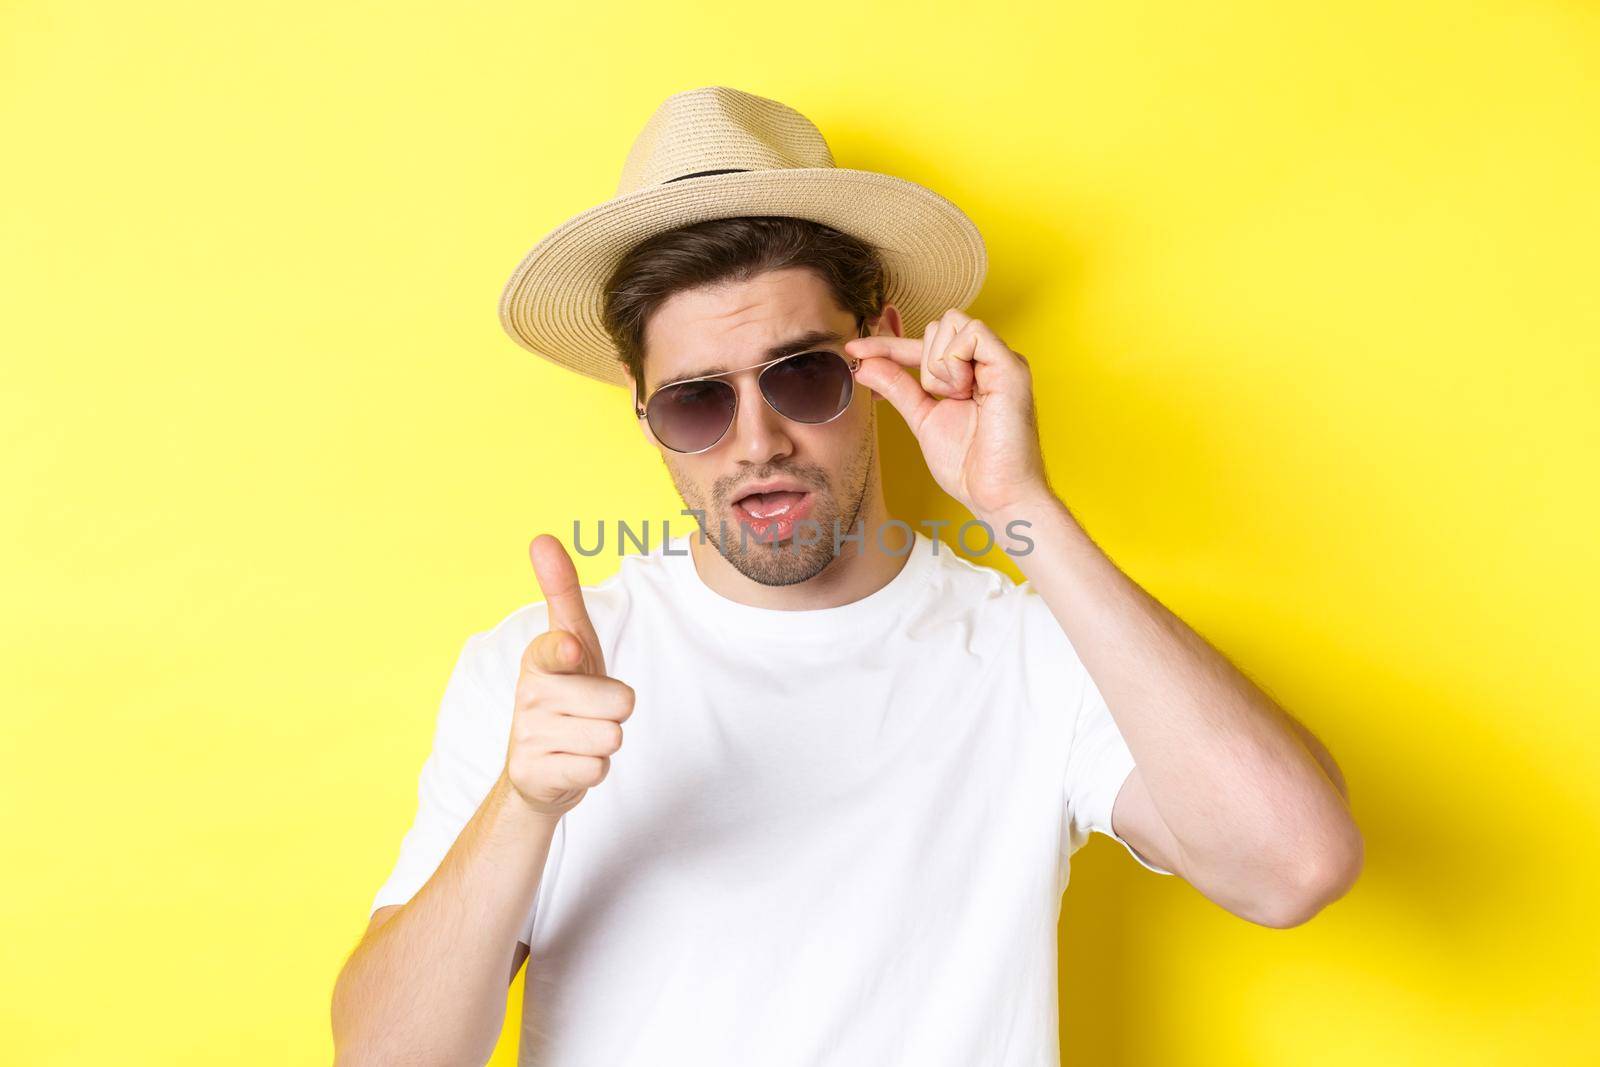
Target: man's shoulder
{"points": [[997, 601], [964, 581], [977, 599]]}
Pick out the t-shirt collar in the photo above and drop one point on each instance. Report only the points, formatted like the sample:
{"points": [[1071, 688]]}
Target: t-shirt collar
{"points": [[870, 614]]}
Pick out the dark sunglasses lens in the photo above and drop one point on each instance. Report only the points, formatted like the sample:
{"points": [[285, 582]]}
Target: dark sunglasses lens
{"points": [[810, 387], [692, 416]]}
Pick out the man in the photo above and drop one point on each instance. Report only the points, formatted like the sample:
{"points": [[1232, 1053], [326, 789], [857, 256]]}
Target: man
{"points": [[856, 765]]}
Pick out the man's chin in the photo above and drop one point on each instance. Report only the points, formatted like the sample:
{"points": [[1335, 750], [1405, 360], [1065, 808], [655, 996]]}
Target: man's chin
{"points": [[800, 556]]}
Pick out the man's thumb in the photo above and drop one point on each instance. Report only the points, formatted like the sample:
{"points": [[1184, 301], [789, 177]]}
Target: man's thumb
{"points": [[885, 377], [555, 652]]}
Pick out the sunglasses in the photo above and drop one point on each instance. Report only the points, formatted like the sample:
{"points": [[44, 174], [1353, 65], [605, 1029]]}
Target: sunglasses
{"points": [[693, 414]]}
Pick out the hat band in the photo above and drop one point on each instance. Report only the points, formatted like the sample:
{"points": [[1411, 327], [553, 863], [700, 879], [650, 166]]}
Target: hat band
{"points": [[705, 173]]}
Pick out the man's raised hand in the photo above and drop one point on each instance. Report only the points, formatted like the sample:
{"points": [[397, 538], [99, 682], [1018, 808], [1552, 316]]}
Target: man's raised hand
{"points": [[567, 720], [971, 409]]}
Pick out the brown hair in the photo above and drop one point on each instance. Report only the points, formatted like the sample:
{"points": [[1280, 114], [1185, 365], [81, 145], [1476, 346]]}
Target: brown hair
{"points": [[736, 249]]}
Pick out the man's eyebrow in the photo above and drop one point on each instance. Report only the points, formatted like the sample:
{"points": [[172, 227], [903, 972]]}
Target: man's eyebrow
{"points": [[802, 343]]}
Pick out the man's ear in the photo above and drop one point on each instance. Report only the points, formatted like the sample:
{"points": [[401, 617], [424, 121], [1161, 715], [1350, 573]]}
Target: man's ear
{"points": [[888, 323], [632, 392]]}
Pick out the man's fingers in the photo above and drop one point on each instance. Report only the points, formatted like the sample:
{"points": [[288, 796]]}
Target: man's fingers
{"points": [[956, 364], [929, 369], [563, 595], [943, 329], [888, 380], [906, 351], [583, 696], [558, 581]]}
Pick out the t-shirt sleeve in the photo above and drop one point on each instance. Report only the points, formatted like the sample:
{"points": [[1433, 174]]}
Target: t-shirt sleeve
{"points": [[1098, 764], [470, 738], [1098, 760]]}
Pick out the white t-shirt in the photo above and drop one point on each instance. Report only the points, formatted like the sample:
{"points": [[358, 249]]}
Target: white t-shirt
{"points": [[834, 836]]}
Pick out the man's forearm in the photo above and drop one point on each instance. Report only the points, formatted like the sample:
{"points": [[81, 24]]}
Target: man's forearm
{"points": [[1249, 800], [429, 985]]}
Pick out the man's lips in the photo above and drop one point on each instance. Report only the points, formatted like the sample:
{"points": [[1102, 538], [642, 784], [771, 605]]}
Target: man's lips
{"points": [[771, 485], [773, 505], [772, 516]]}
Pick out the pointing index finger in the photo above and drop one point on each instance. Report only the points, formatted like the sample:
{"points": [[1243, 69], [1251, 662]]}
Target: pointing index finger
{"points": [[563, 595]]}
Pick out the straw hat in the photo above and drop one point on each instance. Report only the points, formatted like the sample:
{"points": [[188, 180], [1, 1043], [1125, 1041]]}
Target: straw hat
{"points": [[717, 153]]}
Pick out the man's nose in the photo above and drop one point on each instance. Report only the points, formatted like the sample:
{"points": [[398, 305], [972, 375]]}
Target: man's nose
{"points": [[759, 433]]}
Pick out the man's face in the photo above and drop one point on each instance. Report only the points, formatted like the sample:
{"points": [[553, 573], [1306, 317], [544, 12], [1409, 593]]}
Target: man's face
{"points": [[820, 472]]}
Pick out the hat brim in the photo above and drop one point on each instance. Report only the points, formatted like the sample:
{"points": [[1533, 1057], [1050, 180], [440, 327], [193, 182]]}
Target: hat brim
{"points": [[934, 258]]}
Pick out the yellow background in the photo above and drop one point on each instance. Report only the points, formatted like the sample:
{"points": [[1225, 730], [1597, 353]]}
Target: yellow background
{"points": [[1309, 295]]}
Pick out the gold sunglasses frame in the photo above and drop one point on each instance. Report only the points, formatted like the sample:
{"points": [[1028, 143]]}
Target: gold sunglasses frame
{"points": [[640, 408]]}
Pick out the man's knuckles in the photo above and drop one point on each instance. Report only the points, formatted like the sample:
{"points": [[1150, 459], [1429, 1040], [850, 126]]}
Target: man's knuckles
{"points": [[587, 696], [587, 737], [545, 772]]}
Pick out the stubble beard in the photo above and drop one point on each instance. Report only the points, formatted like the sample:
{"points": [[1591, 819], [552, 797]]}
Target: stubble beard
{"points": [[785, 562]]}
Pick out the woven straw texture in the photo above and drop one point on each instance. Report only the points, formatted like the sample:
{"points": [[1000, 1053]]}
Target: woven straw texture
{"points": [[933, 255]]}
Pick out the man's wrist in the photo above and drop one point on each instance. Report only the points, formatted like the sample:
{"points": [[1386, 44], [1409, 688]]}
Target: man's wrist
{"points": [[1034, 509], [518, 806]]}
